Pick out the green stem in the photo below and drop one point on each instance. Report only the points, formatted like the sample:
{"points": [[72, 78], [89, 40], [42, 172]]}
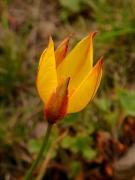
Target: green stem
{"points": [[40, 154]]}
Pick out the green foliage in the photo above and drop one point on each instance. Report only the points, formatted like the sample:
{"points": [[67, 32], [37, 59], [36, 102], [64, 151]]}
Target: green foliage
{"points": [[103, 104], [11, 59], [74, 6], [127, 101], [71, 119], [70, 7], [75, 168], [34, 146], [81, 143], [2, 119], [104, 107]]}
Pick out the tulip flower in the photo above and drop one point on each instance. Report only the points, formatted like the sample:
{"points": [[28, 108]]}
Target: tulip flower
{"points": [[66, 83]]}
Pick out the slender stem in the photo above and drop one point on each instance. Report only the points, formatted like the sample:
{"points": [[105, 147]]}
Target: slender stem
{"points": [[40, 154], [53, 146]]}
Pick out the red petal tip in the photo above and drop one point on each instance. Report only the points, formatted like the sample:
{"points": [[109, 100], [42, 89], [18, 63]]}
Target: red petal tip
{"points": [[93, 34], [101, 60]]}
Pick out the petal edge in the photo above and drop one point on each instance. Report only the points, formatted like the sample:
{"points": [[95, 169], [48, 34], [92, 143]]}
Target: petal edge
{"points": [[47, 75], [87, 89]]}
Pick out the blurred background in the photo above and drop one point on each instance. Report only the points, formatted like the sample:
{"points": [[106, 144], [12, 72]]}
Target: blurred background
{"points": [[97, 143]]}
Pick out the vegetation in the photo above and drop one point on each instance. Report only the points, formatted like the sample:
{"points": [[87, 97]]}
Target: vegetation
{"points": [[86, 145]]}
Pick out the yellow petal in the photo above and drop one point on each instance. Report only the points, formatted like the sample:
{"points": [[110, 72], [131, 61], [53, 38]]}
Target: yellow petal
{"points": [[56, 107], [86, 90], [47, 76], [78, 62], [61, 51]]}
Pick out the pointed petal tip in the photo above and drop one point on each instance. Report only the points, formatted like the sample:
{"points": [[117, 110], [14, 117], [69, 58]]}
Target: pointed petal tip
{"points": [[99, 64], [93, 34], [65, 43], [70, 35], [61, 51], [100, 61], [50, 40], [50, 43], [50, 37]]}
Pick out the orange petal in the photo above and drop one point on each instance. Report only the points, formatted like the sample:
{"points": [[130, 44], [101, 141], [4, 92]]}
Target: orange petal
{"points": [[56, 107], [86, 90], [61, 51], [78, 62], [47, 76]]}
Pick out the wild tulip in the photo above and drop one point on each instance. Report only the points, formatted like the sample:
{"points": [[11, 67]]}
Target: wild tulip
{"points": [[67, 82]]}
